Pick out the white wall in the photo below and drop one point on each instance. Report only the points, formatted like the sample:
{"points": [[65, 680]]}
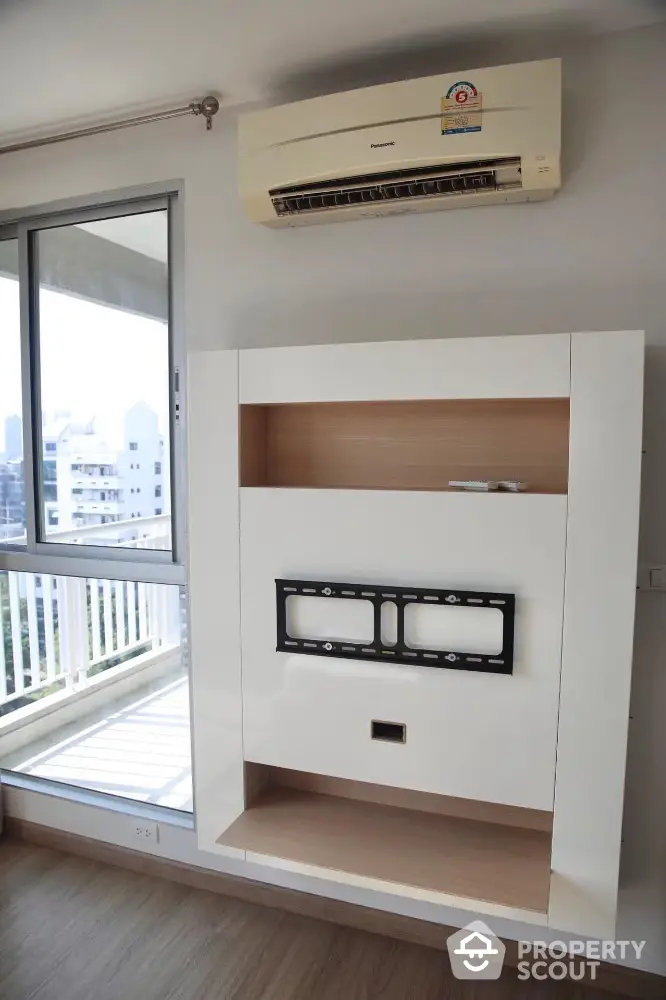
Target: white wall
{"points": [[593, 258]]}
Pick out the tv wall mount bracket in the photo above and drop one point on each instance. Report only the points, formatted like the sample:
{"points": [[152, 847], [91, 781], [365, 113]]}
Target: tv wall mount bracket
{"points": [[399, 652]]}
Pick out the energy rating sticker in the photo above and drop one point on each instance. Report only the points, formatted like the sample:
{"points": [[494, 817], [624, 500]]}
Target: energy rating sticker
{"points": [[461, 109]]}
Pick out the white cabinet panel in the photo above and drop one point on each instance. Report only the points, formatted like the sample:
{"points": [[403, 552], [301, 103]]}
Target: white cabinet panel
{"points": [[214, 599], [602, 542], [472, 368], [469, 734]]}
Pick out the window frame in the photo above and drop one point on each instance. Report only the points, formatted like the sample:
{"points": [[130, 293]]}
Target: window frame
{"points": [[39, 555]]}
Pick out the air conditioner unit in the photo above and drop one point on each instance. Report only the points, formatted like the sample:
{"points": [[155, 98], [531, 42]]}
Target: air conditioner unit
{"points": [[481, 137]]}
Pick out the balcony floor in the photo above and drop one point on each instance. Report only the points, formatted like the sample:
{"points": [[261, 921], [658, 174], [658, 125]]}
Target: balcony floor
{"points": [[138, 748]]}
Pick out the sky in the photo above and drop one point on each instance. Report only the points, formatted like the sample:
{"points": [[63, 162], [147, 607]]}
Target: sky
{"points": [[95, 360]]}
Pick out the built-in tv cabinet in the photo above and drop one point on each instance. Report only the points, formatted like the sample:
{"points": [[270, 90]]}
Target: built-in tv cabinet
{"points": [[494, 793]]}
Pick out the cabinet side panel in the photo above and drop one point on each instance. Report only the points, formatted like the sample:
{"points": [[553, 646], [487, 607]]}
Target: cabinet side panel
{"points": [[214, 597], [600, 592]]}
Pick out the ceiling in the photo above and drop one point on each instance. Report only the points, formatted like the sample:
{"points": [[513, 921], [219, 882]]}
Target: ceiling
{"points": [[72, 60], [146, 233]]}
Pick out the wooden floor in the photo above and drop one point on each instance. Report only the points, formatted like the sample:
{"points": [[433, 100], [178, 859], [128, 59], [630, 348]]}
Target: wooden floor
{"points": [[74, 929]]}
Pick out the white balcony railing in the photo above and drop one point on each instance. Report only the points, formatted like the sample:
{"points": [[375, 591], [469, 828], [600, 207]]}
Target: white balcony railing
{"points": [[133, 533], [58, 632]]}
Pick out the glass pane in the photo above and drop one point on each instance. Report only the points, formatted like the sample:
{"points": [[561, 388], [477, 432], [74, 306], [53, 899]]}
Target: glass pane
{"points": [[104, 361], [12, 491], [121, 644]]}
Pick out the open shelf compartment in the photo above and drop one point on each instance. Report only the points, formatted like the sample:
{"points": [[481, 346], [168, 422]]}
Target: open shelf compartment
{"points": [[476, 850], [406, 444]]}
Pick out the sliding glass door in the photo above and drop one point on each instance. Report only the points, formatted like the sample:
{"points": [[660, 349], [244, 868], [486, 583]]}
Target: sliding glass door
{"points": [[94, 689]]}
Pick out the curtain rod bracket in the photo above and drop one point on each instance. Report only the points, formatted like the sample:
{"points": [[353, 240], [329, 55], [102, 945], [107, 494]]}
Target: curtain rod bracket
{"points": [[208, 107]]}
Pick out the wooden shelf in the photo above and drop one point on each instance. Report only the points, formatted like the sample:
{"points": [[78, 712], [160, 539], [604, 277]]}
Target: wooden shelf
{"points": [[491, 862], [405, 445]]}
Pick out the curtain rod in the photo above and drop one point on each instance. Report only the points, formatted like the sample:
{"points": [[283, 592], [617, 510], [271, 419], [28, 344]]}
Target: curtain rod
{"points": [[206, 106]]}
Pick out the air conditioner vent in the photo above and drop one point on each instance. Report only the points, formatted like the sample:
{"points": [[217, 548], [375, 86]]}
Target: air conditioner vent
{"points": [[399, 185]]}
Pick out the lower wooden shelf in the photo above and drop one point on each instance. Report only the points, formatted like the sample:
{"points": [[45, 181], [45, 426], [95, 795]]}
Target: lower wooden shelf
{"points": [[490, 862]]}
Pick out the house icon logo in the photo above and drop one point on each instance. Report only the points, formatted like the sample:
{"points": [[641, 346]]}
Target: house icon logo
{"points": [[475, 952]]}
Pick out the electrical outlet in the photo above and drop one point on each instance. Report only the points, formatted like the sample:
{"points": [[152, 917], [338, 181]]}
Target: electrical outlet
{"points": [[146, 831]]}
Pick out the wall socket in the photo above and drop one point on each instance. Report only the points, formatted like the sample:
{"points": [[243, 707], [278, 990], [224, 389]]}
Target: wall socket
{"points": [[146, 831]]}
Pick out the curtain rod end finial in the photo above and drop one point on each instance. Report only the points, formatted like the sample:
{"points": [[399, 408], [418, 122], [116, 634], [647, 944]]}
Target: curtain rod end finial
{"points": [[208, 107]]}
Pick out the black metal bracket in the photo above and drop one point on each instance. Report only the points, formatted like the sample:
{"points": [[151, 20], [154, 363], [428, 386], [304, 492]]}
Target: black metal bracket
{"points": [[400, 652]]}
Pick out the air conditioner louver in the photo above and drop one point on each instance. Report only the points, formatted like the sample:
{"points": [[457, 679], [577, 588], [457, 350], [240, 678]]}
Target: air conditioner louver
{"points": [[400, 185]]}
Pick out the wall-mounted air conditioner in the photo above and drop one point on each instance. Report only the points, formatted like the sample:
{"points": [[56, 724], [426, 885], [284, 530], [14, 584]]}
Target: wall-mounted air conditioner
{"points": [[472, 138]]}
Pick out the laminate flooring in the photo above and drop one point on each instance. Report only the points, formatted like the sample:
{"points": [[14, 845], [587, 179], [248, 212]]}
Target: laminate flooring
{"points": [[77, 929]]}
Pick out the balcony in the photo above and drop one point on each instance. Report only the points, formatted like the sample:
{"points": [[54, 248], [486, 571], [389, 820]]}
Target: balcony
{"points": [[93, 691], [141, 532], [97, 506], [104, 463], [94, 482]]}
